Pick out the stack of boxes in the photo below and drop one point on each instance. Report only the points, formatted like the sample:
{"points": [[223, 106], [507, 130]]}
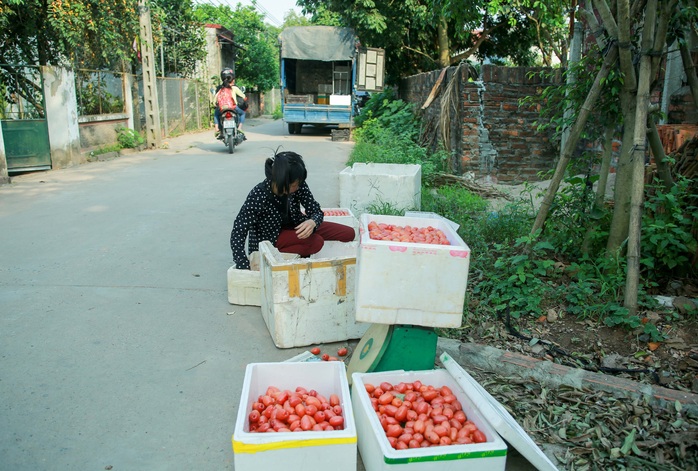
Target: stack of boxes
{"points": [[323, 94]]}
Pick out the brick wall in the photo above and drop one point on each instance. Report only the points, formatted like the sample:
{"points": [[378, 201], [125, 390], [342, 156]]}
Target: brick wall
{"points": [[490, 134]]}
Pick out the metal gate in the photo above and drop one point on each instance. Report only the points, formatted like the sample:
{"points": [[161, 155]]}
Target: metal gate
{"points": [[23, 118]]}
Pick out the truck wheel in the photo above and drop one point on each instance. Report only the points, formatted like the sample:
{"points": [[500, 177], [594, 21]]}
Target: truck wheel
{"points": [[299, 126], [291, 128]]}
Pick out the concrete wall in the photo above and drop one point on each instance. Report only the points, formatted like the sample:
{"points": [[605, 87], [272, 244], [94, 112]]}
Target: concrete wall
{"points": [[100, 130], [62, 116]]}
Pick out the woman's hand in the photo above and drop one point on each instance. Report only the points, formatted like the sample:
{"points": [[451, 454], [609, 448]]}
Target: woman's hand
{"points": [[305, 229]]}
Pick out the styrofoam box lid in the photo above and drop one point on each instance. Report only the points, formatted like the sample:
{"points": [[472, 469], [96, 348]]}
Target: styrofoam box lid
{"points": [[498, 416], [326, 377], [492, 447], [397, 170], [442, 224], [331, 250]]}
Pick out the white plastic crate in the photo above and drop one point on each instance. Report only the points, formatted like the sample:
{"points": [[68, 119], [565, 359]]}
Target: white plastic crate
{"points": [[310, 300], [411, 283], [378, 455], [397, 185], [295, 451]]}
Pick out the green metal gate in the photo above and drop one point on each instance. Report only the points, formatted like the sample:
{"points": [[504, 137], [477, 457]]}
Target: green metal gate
{"points": [[23, 118]]}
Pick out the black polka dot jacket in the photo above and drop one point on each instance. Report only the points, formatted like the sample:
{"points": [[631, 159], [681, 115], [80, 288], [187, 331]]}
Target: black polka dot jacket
{"points": [[260, 217]]}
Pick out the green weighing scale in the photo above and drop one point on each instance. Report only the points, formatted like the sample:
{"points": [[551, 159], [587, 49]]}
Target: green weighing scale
{"points": [[387, 347]]}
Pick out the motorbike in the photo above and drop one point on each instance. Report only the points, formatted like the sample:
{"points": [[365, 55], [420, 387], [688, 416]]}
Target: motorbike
{"points": [[230, 136]]}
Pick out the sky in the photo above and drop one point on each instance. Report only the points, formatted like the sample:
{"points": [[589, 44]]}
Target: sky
{"points": [[276, 9]]}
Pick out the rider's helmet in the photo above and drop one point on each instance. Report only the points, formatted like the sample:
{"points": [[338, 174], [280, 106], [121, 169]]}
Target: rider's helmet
{"points": [[227, 76]]}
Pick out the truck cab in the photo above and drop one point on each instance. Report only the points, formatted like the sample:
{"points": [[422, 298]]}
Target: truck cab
{"points": [[324, 72]]}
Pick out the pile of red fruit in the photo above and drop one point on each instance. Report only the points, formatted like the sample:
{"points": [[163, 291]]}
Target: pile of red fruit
{"points": [[415, 415], [295, 411], [335, 212], [342, 352], [417, 235]]}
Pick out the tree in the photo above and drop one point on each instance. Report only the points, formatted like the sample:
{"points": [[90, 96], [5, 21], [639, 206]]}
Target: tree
{"points": [[257, 60], [294, 19], [89, 33], [180, 36], [637, 34], [421, 35]]}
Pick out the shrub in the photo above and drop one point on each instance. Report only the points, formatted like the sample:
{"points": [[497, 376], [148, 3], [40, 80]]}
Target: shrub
{"points": [[128, 138]]}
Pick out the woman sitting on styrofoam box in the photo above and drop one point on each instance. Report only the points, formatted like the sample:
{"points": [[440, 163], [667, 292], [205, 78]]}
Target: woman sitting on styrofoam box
{"points": [[272, 211]]}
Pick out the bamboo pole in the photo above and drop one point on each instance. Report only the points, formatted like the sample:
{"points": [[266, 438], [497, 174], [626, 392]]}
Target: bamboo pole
{"points": [[638, 161], [575, 133]]}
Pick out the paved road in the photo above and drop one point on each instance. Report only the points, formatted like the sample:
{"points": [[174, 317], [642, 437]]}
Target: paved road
{"points": [[117, 343]]}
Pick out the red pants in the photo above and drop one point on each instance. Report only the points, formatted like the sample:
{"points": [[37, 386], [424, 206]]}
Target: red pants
{"points": [[288, 242]]}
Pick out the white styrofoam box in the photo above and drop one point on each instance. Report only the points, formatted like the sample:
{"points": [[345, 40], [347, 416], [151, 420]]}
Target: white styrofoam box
{"points": [[345, 217], [244, 287], [295, 451], [378, 455], [343, 100], [310, 300], [411, 283], [397, 185]]}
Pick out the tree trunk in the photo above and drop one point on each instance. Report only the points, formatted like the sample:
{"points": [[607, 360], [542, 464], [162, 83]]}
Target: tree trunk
{"points": [[663, 170], [690, 69], [638, 157], [444, 51], [575, 133], [618, 232], [620, 26], [606, 158]]}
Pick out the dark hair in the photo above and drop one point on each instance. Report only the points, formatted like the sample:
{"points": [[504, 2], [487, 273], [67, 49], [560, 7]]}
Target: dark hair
{"points": [[283, 169]]}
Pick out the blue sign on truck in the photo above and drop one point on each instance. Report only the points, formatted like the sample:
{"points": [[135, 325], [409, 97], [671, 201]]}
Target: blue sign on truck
{"points": [[325, 73]]}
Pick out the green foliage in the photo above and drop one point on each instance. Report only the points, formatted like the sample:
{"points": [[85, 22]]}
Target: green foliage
{"points": [[277, 114], [93, 93], [257, 62], [521, 280], [386, 208], [408, 33], [128, 138], [91, 33], [558, 96], [176, 28], [389, 133], [668, 221]]}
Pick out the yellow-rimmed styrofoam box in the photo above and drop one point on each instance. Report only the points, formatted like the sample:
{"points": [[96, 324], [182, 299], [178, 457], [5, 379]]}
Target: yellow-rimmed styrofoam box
{"points": [[411, 283], [396, 185], [378, 455], [295, 451], [310, 300], [342, 216]]}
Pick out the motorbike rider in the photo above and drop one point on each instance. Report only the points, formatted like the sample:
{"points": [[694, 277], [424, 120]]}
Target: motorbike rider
{"points": [[228, 88]]}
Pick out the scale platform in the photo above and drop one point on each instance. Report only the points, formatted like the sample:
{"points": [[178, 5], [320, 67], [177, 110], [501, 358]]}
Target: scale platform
{"points": [[386, 347]]}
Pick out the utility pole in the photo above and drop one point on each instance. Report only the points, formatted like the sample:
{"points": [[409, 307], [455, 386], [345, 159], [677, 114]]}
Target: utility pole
{"points": [[150, 93]]}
